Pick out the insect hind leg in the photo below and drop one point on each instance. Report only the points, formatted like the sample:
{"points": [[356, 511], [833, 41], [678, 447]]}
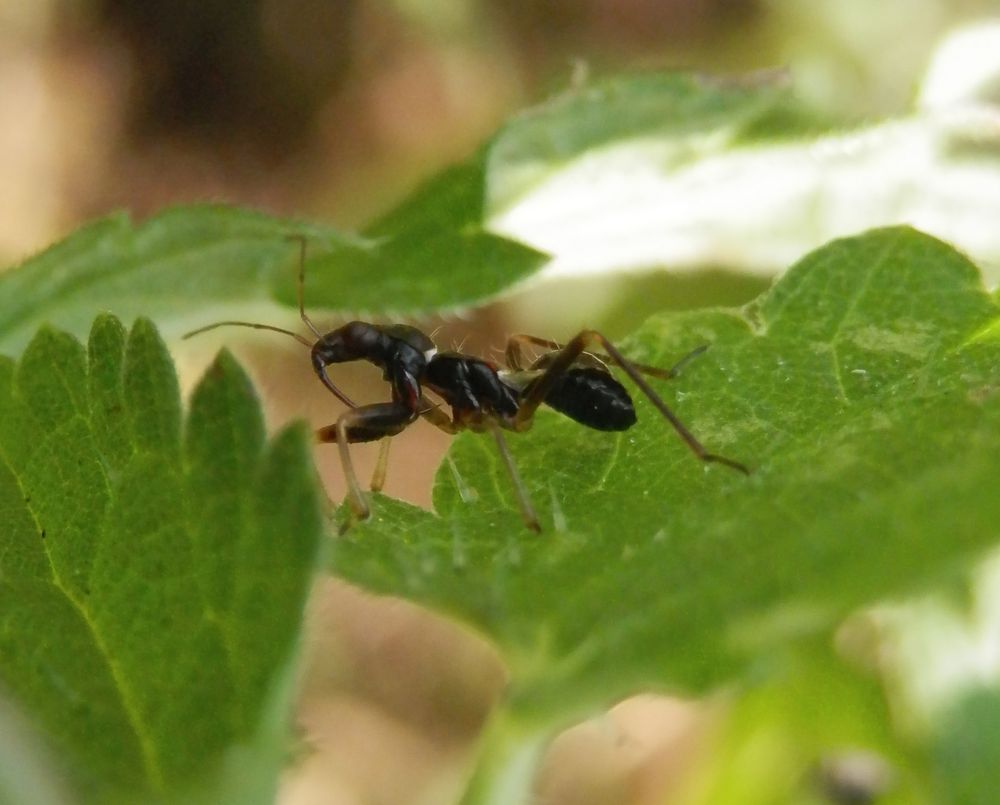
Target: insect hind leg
{"points": [[439, 419], [515, 357], [520, 491], [579, 344]]}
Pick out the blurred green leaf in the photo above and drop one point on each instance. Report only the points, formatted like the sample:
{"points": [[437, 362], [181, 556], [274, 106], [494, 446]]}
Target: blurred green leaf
{"points": [[193, 265], [814, 731], [685, 173], [173, 267], [152, 585], [690, 112], [967, 751], [431, 253], [862, 390]]}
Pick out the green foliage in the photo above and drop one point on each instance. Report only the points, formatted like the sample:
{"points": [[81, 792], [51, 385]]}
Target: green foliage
{"points": [[167, 268], [861, 394], [431, 254], [967, 752], [786, 737], [192, 265], [153, 580], [692, 112], [153, 566]]}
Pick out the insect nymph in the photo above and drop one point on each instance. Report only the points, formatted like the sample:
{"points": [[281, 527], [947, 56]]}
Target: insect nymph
{"points": [[482, 396]]}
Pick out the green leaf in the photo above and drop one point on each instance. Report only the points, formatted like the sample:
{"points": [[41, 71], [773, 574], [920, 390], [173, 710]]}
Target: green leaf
{"points": [[169, 268], [691, 114], [152, 397], [440, 250], [432, 253], [797, 735], [151, 596], [687, 174], [105, 359], [967, 752], [862, 392], [192, 265]]}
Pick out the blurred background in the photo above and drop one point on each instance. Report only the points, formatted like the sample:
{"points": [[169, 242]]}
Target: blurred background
{"points": [[334, 109]]}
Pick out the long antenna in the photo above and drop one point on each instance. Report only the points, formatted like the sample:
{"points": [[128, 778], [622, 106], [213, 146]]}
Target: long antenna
{"points": [[252, 325], [301, 240]]}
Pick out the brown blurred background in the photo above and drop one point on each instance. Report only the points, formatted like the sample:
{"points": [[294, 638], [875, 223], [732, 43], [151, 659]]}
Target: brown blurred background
{"points": [[333, 109]]}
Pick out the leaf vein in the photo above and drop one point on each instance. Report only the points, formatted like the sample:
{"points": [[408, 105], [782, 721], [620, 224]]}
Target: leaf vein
{"points": [[146, 745]]}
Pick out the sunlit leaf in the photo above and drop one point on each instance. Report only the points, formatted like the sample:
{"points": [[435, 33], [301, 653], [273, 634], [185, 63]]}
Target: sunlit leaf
{"points": [[862, 392]]}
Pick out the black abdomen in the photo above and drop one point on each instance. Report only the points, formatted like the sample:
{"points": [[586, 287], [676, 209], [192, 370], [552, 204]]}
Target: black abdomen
{"points": [[593, 398]]}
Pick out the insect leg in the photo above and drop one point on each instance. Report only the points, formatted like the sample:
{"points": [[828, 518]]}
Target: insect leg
{"points": [[564, 360], [514, 355], [378, 476], [440, 419], [523, 501], [675, 370], [365, 424]]}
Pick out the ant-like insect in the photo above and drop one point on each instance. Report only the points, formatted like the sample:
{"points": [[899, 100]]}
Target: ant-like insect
{"points": [[483, 397]]}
